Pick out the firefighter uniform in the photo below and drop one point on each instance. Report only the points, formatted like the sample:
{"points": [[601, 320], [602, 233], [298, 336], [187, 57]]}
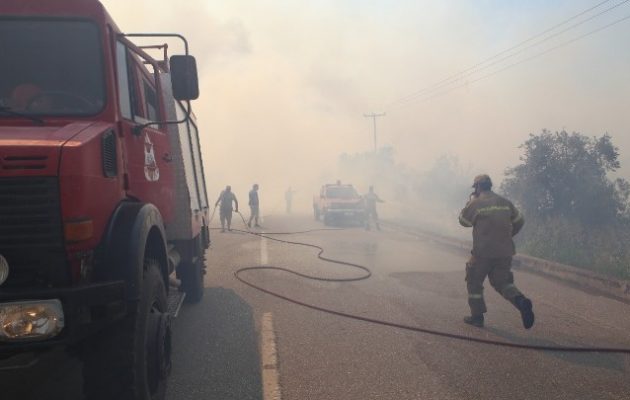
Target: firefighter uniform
{"points": [[494, 220], [371, 199], [225, 211], [254, 206]]}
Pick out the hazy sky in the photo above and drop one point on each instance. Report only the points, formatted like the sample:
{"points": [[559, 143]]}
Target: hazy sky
{"points": [[285, 84]]}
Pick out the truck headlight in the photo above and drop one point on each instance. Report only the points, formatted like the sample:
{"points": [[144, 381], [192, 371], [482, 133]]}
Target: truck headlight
{"points": [[30, 320]]}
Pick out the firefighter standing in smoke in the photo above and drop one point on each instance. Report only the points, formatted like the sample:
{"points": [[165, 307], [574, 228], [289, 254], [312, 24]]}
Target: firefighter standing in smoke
{"points": [[495, 221], [225, 211], [254, 206], [371, 199]]}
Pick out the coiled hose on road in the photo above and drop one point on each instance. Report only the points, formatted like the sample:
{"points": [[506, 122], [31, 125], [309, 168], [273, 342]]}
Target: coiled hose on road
{"points": [[367, 274]]}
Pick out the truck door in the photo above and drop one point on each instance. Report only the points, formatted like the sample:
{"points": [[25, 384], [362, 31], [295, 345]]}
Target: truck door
{"points": [[149, 173]]}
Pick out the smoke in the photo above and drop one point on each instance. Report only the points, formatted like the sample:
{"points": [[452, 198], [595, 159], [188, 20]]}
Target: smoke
{"points": [[285, 84]]}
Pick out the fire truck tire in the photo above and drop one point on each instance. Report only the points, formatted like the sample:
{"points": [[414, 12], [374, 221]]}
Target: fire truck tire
{"points": [[191, 275], [132, 360]]}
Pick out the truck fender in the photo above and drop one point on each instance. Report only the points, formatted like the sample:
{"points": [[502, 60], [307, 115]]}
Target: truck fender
{"points": [[135, 230]]}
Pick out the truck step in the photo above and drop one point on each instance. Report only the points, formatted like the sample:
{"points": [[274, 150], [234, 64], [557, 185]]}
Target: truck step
{"points": [[174, 301]]}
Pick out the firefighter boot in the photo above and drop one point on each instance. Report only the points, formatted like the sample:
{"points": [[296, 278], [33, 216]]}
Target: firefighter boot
{"points": [[524, 305], [474, 320]]}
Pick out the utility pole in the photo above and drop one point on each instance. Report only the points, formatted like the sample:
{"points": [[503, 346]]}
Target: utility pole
{"points": [[374, 116]]}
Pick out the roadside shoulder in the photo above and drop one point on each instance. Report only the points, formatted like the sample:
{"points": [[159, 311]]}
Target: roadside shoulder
{"points": [[618, 289]]}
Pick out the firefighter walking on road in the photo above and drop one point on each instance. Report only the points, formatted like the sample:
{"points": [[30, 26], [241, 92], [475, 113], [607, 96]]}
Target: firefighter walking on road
{"points": [[495, 221], [371, 199], [225, 211]]}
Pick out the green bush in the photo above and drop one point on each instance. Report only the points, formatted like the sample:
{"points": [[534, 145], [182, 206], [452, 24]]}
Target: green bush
{"points": [[603, 250], [576, 214]]}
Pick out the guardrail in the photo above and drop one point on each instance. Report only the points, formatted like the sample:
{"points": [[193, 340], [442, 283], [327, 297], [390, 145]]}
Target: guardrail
{"points": [[618, 289]]}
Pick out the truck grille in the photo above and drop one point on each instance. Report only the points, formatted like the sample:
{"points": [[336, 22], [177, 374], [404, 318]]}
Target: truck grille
{"points": [[31, 234], [110, 169], [345, 206], [24, 162]]}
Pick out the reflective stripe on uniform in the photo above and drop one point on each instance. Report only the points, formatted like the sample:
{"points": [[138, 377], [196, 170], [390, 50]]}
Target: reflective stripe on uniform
{"points": [[464, 221], [518, 217], [491, 209], [508, 287], [475, 296]]}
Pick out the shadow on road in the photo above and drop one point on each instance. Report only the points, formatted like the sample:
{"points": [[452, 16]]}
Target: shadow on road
{"points": [[55, 376], [216, 350], [216, 357]]}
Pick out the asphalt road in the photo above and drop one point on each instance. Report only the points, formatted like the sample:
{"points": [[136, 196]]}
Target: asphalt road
{"points": [[320, 356], [224, 350]]}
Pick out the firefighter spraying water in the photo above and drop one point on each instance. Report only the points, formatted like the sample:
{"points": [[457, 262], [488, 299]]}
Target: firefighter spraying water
{"points": [[225, 202]]}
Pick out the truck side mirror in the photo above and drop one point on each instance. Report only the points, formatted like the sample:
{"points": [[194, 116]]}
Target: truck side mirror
{"points": [[184, 77]]}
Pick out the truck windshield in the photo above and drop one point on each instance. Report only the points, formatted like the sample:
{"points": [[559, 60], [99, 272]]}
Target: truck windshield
{"points": [[50, 67], [341, 192]]}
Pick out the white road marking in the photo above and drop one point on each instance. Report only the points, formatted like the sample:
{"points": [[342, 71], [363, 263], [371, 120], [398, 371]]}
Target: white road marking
{"points": [[264, 256], [269, 360]]}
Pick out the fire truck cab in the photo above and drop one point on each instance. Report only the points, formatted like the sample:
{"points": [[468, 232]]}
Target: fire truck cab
{"points": [[103, 203]]}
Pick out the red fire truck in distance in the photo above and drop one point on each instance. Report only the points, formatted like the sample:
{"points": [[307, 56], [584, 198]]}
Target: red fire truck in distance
{"points": [[103, 200]]}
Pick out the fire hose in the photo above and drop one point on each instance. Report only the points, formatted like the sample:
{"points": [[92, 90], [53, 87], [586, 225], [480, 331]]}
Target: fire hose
{"points": [[366, 274]]}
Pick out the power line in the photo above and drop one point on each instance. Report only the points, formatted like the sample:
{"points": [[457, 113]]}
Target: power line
{"points": [[374, 116], [474, 67], [478, 67], [520, 51], [523, 60]]}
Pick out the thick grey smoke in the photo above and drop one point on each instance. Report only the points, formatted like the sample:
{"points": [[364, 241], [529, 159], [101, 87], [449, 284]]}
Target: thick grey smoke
{"points": [[285, 84]]}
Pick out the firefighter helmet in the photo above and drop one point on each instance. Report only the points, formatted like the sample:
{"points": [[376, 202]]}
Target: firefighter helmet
{"points": [[483, 180]]}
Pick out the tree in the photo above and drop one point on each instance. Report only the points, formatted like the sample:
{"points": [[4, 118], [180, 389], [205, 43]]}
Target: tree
{"points": [[566, 175], [575, 213]]}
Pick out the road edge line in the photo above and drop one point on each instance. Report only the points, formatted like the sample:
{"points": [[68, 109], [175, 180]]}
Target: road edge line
{"points": [[610, 287]]}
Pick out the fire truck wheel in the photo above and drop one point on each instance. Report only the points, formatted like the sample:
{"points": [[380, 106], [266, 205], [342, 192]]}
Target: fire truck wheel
{"points": [[191, 274], [132, 360]]}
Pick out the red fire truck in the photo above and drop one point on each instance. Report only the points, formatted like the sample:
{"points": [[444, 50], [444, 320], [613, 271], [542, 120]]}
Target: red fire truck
{"points": [[338, 202], [103, 203]]}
